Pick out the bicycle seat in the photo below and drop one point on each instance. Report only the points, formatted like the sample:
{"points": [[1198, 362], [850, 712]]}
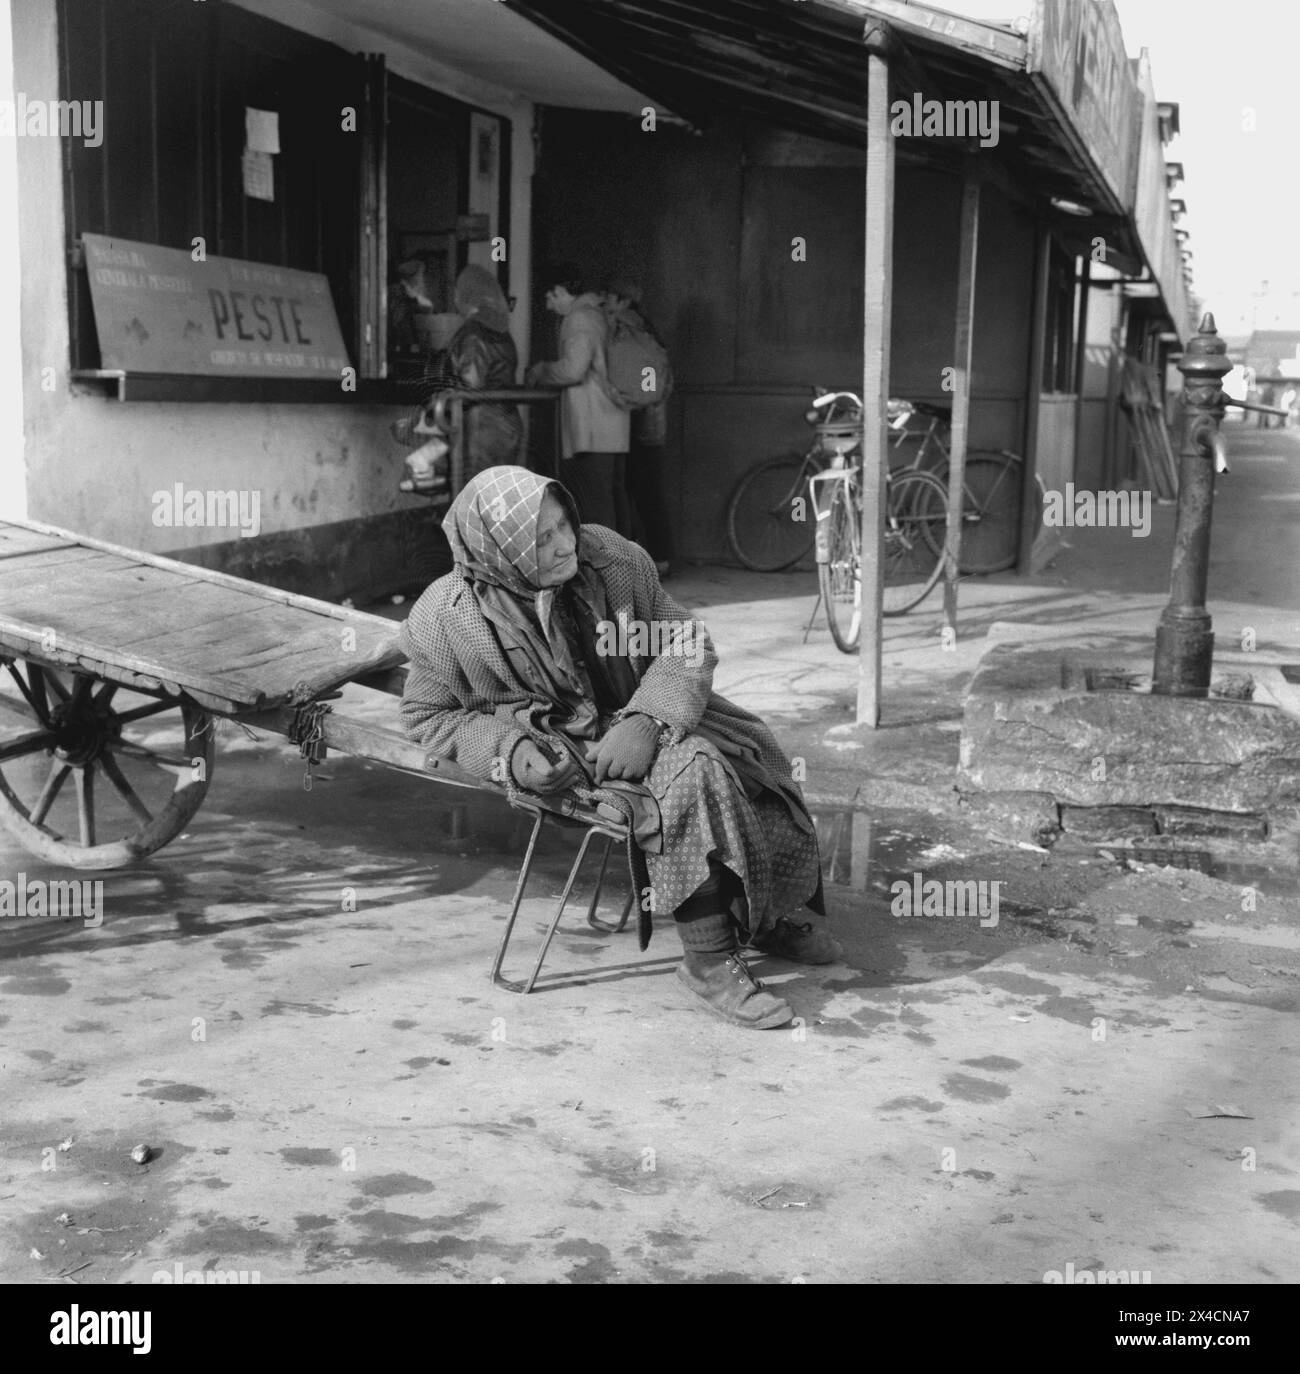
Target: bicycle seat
{"points": [[935, 412]]}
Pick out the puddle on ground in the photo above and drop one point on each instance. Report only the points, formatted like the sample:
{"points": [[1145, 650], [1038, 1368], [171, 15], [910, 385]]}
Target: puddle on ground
{"points": [[857, 845], [1269, 880]]}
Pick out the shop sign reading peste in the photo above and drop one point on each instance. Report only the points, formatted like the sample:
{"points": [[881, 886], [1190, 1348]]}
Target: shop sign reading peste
{"points": [[157, 310]]}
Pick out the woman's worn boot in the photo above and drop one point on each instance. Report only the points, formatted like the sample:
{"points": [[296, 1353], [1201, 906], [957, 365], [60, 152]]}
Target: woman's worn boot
{"points": [[801, 941], [715, 972]]}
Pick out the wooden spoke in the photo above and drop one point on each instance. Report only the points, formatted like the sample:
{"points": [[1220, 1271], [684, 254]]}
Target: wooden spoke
{"points": [[58, 772], [124, 789], [40, 697], [34, 694], [28, 744], [140, 712], [138, 751], [49, 678], [147, 806], [86, 804], [24, 709]]}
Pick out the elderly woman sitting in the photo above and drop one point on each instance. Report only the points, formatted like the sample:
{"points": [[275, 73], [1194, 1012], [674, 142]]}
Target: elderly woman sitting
{"points": [[551, 654]]}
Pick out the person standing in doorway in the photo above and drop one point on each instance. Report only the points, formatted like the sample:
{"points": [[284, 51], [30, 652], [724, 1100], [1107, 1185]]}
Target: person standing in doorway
{"points": [[594, 429], [646, 477]]}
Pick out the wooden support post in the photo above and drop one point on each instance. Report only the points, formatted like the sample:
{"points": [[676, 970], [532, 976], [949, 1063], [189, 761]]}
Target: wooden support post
{"points": [[372, 313], [967, 265], [878, 273], [1033, 394], [1116, 431], [1081, 352]]}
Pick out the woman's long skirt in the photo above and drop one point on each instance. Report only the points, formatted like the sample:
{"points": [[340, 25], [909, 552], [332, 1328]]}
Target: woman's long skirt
{"points": [[705, 811]]}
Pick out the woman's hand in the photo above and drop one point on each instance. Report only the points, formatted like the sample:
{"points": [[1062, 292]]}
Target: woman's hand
{"points": [[628, 750], [534, 772]]}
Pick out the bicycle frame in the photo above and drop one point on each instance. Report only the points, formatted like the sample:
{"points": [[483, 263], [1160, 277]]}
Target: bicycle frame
{"points": [[821, 504], [821, 501], [929, 437]]}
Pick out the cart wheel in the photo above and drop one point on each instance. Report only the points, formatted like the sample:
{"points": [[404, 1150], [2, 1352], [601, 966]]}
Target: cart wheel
{"points": [[152, 757]]}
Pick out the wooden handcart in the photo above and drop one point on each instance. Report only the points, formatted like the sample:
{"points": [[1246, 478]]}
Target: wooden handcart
{"points": [[117, 663]]}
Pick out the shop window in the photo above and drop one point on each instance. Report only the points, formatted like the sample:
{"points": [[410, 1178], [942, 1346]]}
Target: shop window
{"points": [[445, 203], [388, 210], [426, 195], [176, 79]]}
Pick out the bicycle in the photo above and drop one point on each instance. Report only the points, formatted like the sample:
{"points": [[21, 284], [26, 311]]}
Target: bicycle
{"points": [[766, 536], [991, 486], [766, 523], [916, 518]]}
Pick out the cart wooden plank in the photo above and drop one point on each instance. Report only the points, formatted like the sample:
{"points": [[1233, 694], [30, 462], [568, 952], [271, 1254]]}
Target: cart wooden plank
{"points": [[30, 574], [248, 643], [29, 642], [365, 740], [254, 623], [16, 539], [111, 580], [233, 645], [196, 571], [82, 610], [63, 557], [51, 564]]}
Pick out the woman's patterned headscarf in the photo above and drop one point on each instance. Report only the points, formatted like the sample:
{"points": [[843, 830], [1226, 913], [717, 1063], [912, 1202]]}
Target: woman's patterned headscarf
{"points": [[492, 528]]}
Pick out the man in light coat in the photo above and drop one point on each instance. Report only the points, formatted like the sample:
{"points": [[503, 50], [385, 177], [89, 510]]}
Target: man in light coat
{"points": [[595, 430]]}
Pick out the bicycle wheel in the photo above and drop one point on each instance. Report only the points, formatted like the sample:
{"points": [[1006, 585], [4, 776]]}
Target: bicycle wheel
{"points": [[916, 514], [763, 527], [990, 515], [840, 576]]}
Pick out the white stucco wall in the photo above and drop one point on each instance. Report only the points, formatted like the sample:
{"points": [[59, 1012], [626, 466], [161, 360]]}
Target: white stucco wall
{"points": [[13, 472], [91, 464]]}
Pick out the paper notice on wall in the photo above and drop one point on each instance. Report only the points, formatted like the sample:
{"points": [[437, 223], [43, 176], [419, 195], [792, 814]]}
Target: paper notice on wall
{"points": [[261, 130], [259, 175]]}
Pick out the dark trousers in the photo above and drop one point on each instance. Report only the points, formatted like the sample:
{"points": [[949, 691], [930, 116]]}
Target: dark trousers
{"points": [[597, 482], [645, 485]]}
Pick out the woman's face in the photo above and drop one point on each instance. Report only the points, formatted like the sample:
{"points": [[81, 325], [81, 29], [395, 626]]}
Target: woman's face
{"points": [[557, 544]]}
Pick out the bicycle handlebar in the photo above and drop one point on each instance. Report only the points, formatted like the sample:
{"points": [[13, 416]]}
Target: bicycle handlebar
{"points": [[897, 405]]}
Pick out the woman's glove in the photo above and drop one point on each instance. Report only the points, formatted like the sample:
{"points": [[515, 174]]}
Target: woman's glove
{"points": [[534, 772], [628, 750]]}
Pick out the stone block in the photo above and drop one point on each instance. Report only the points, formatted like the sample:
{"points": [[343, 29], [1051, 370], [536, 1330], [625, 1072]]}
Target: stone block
{"points": [[1030, 725], [1228, 825], [1107, 822]]}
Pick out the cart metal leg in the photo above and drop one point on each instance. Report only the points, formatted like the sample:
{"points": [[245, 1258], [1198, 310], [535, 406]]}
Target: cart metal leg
{"points": [[610, 835]]}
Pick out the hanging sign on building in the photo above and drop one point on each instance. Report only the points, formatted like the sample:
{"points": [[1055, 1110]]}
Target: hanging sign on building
{"points": [[1079, 49], [157, 310]]}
